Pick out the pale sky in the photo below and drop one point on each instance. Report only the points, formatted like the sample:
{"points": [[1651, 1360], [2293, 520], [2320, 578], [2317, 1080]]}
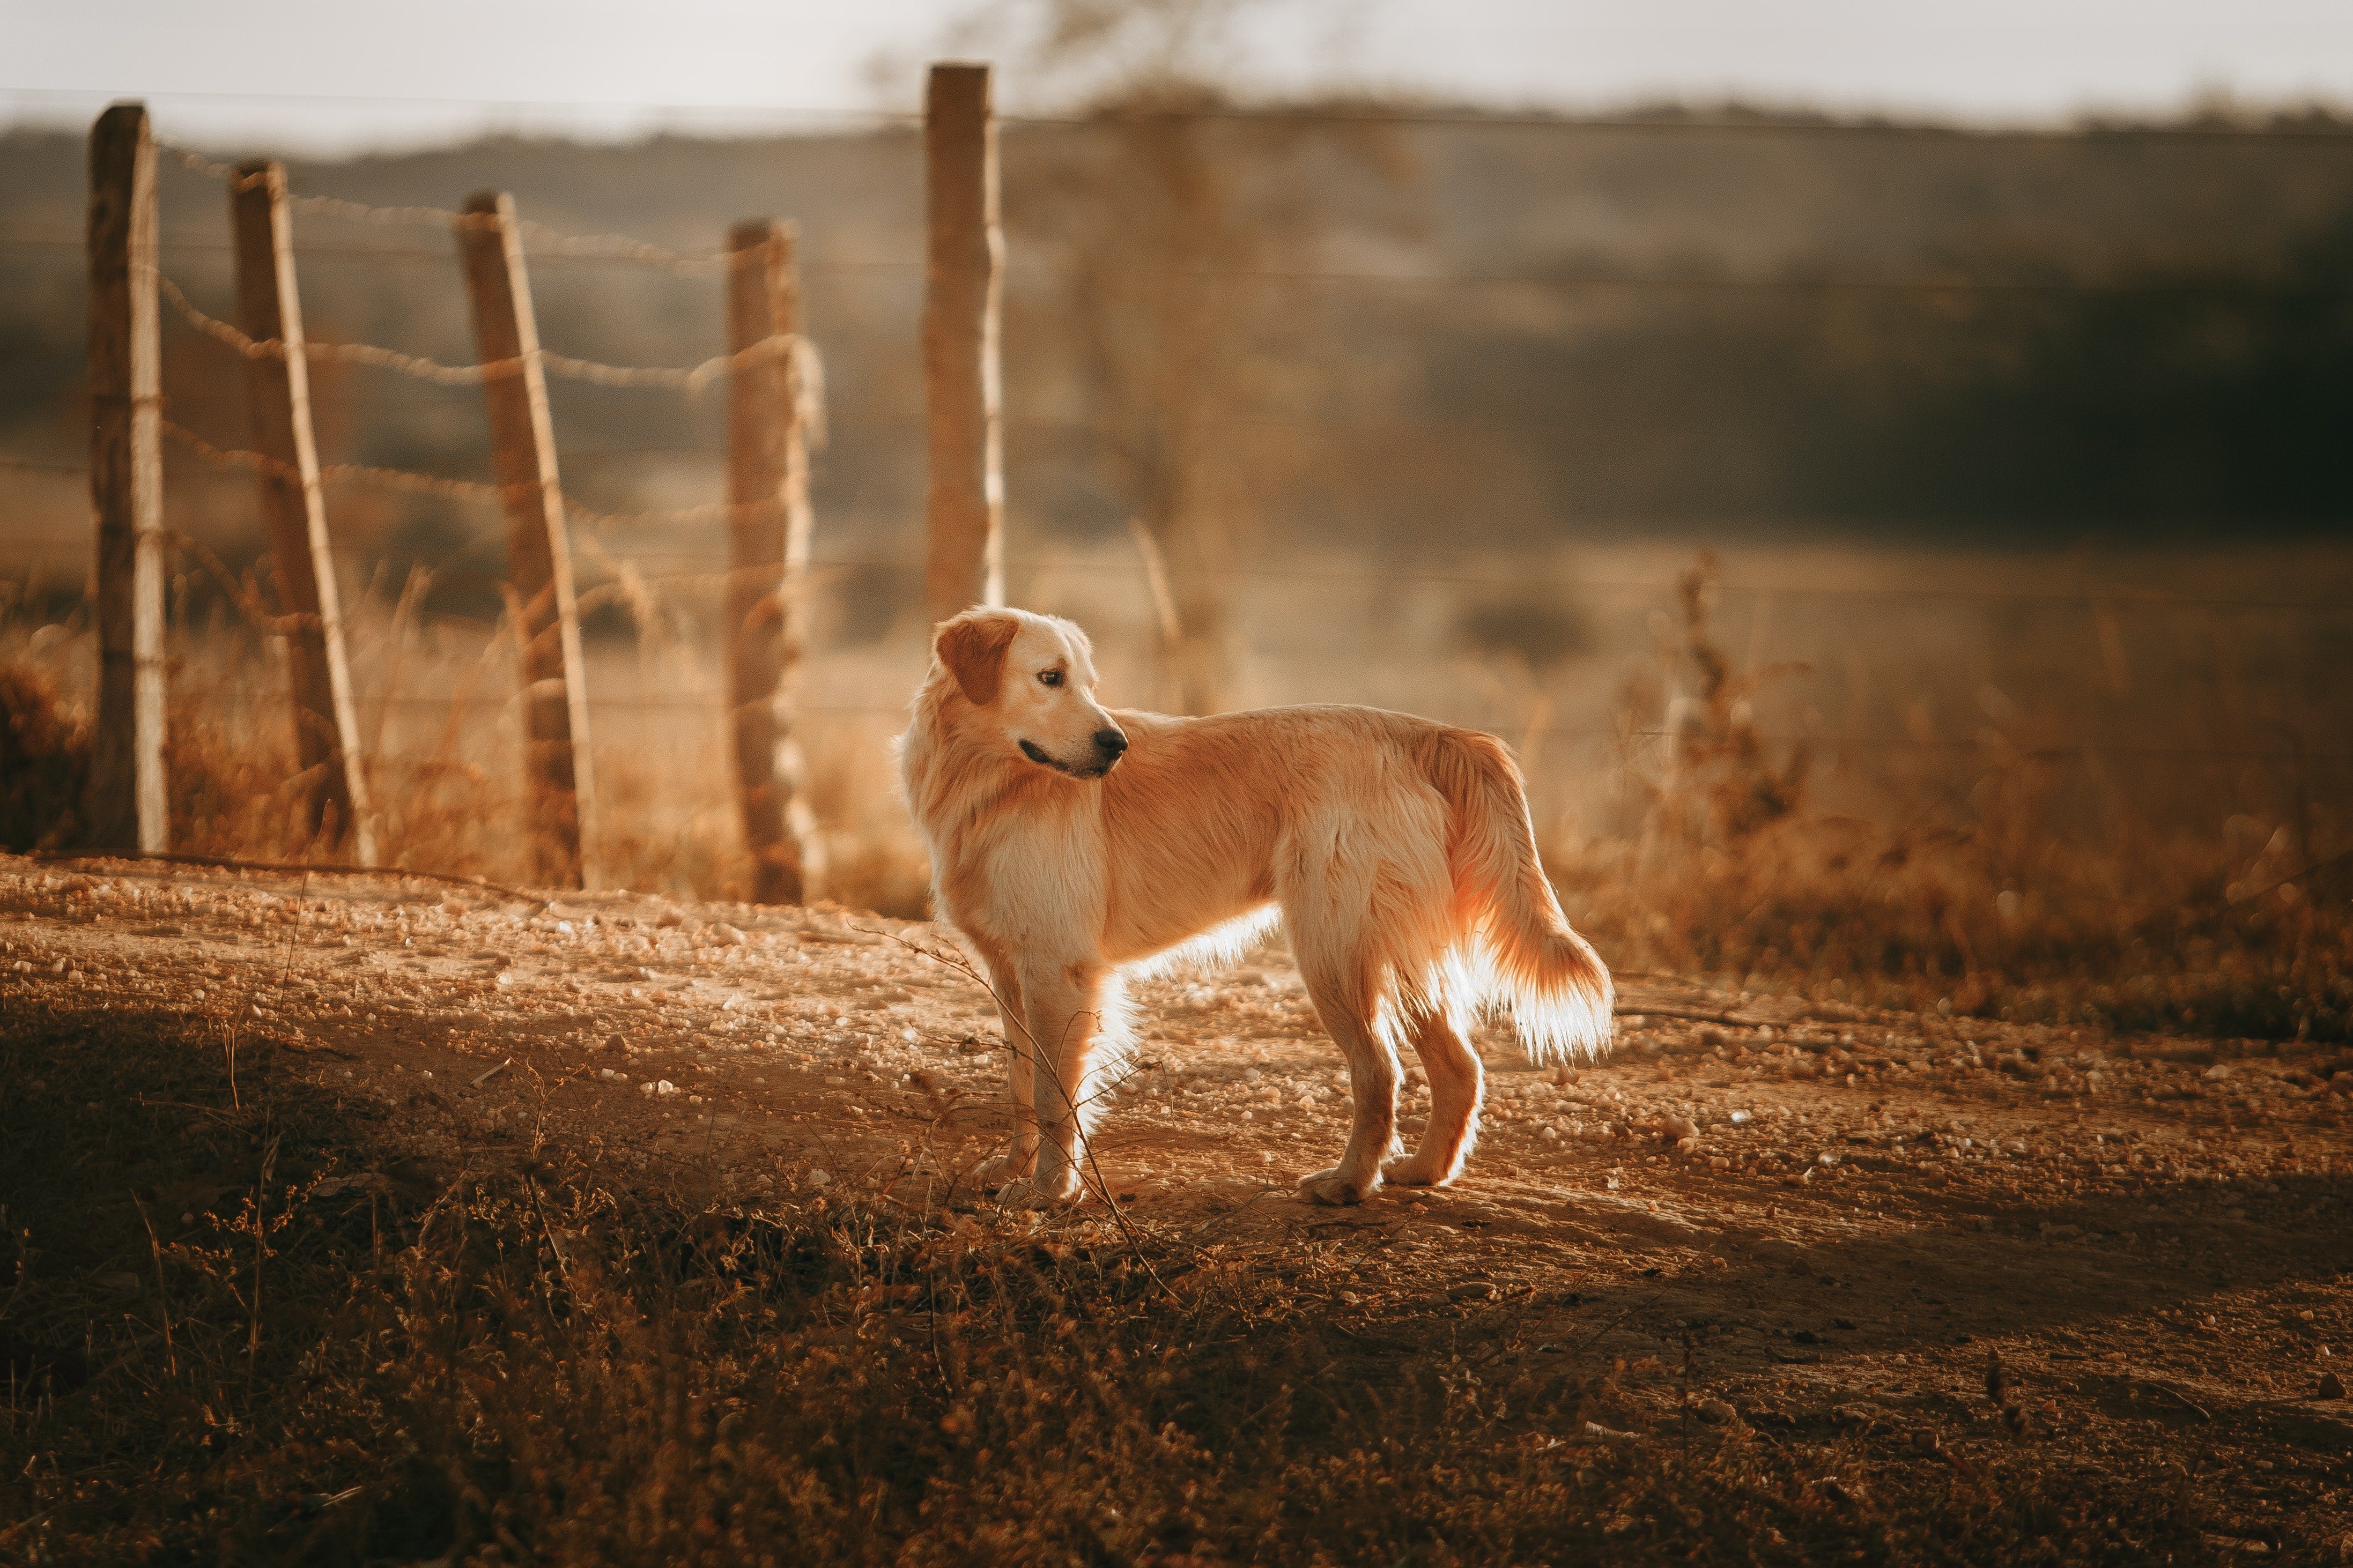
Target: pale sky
{"points": [[335, 74]]}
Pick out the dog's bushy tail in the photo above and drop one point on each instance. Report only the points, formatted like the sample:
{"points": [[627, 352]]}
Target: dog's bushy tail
{"points": [[1524, 957]]}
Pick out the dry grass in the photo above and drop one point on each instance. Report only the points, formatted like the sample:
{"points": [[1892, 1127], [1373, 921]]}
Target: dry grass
{"points": [[1987, 902], [244, 1327], [440, 723], [2031, 855]]}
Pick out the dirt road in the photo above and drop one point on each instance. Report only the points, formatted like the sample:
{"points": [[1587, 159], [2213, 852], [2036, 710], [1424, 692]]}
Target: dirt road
{"points": [[1832, 1218]]}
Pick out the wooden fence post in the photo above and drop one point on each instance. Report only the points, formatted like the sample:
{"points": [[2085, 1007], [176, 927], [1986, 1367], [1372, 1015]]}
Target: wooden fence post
{"points": [[127, 806], [294, 511], [964, 498], [539, 555], [768, 551]]}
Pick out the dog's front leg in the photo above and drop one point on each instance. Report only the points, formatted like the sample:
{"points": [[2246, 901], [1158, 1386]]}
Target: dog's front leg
{"points": [[1020, 1157], [1063, 1009]]}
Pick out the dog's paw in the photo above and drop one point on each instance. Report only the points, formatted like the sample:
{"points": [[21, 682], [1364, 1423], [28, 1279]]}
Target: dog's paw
{"points": [[1331, 1187], [1038, 1191], [994, 1172], [1412, 1171]]}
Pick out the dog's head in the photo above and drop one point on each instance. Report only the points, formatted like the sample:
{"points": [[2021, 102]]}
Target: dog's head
{"points": [[1032, 678]]}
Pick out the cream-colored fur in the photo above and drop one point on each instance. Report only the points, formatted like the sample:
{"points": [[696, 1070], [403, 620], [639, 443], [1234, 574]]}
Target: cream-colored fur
{"points": [[1397, 852]]}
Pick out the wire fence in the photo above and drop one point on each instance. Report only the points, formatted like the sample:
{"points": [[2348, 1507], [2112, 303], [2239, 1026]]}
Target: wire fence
{"points": [[692, 378], [806, 363], [2307, 128], [1564, 277], [546, 242], [797, 351], [714, 704]]}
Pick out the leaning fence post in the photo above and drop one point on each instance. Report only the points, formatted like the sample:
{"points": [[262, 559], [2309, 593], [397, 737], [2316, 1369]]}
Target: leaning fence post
{"points": [[965, 496], [768, 551], [293, 508], [127, 806], [539, 555]]}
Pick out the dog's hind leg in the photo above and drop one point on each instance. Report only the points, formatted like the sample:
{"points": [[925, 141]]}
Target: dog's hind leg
{"points": [[1456, 1082], [1347, 1016]]}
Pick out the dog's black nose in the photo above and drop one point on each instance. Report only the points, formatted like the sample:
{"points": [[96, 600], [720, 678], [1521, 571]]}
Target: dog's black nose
{"points": [[1111, 743]]}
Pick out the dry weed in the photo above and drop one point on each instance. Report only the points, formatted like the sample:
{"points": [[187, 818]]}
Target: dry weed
{"points": [[1974, 882], [247, 1329]]}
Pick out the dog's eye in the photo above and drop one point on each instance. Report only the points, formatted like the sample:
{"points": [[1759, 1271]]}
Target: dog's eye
{"points": [[1050, 678]]}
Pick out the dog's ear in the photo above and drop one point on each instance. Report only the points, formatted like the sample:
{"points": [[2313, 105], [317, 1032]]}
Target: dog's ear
{"points": [[972, 649]]}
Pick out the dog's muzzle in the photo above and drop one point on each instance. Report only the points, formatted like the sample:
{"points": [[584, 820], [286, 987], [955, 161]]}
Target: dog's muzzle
{"points": [[1111, 744]]}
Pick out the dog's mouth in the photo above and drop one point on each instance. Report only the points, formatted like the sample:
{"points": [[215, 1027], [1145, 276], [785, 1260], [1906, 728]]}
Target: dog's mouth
{"points": [[1039, 755]]}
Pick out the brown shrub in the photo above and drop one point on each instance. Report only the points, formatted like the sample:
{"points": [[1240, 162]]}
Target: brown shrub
{"points": [[44, 759], [1993, 902]]}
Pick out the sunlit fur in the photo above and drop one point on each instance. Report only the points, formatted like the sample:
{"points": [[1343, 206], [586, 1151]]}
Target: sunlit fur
{"points": [[1397, 851]]}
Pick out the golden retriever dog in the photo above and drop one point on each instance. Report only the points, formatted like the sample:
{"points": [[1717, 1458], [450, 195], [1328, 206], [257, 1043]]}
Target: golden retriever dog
{"points": [[1071, 843]]}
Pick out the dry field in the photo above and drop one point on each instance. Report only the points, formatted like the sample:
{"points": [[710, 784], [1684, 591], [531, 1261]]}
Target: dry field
{"points": [[375, 1220], [2071, 789], [1968, 1183]]}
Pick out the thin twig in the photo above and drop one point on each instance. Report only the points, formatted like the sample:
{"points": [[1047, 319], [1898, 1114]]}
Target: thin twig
{"points": [[1696, 1017], [2186, 1402], [162, 1295], [962, 965], [261, 1253], [229, 1046], [554, 1246]]}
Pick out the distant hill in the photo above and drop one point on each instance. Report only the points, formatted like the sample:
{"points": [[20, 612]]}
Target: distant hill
{"points": [[1410, 334]]}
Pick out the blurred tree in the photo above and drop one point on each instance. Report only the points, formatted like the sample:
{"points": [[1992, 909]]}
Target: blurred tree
{"points": [[1151, 335]]}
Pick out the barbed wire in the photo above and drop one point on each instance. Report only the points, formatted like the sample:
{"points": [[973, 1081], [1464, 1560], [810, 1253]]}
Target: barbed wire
{"points": [[228, 173], [2311, 128], [550, 241], [28, 236], [810, 382], [2124, 600], [617, 246], [688, 379], [1550, 738], [405, 479], [2108, 596], [338, 473], [1556, 279]]}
